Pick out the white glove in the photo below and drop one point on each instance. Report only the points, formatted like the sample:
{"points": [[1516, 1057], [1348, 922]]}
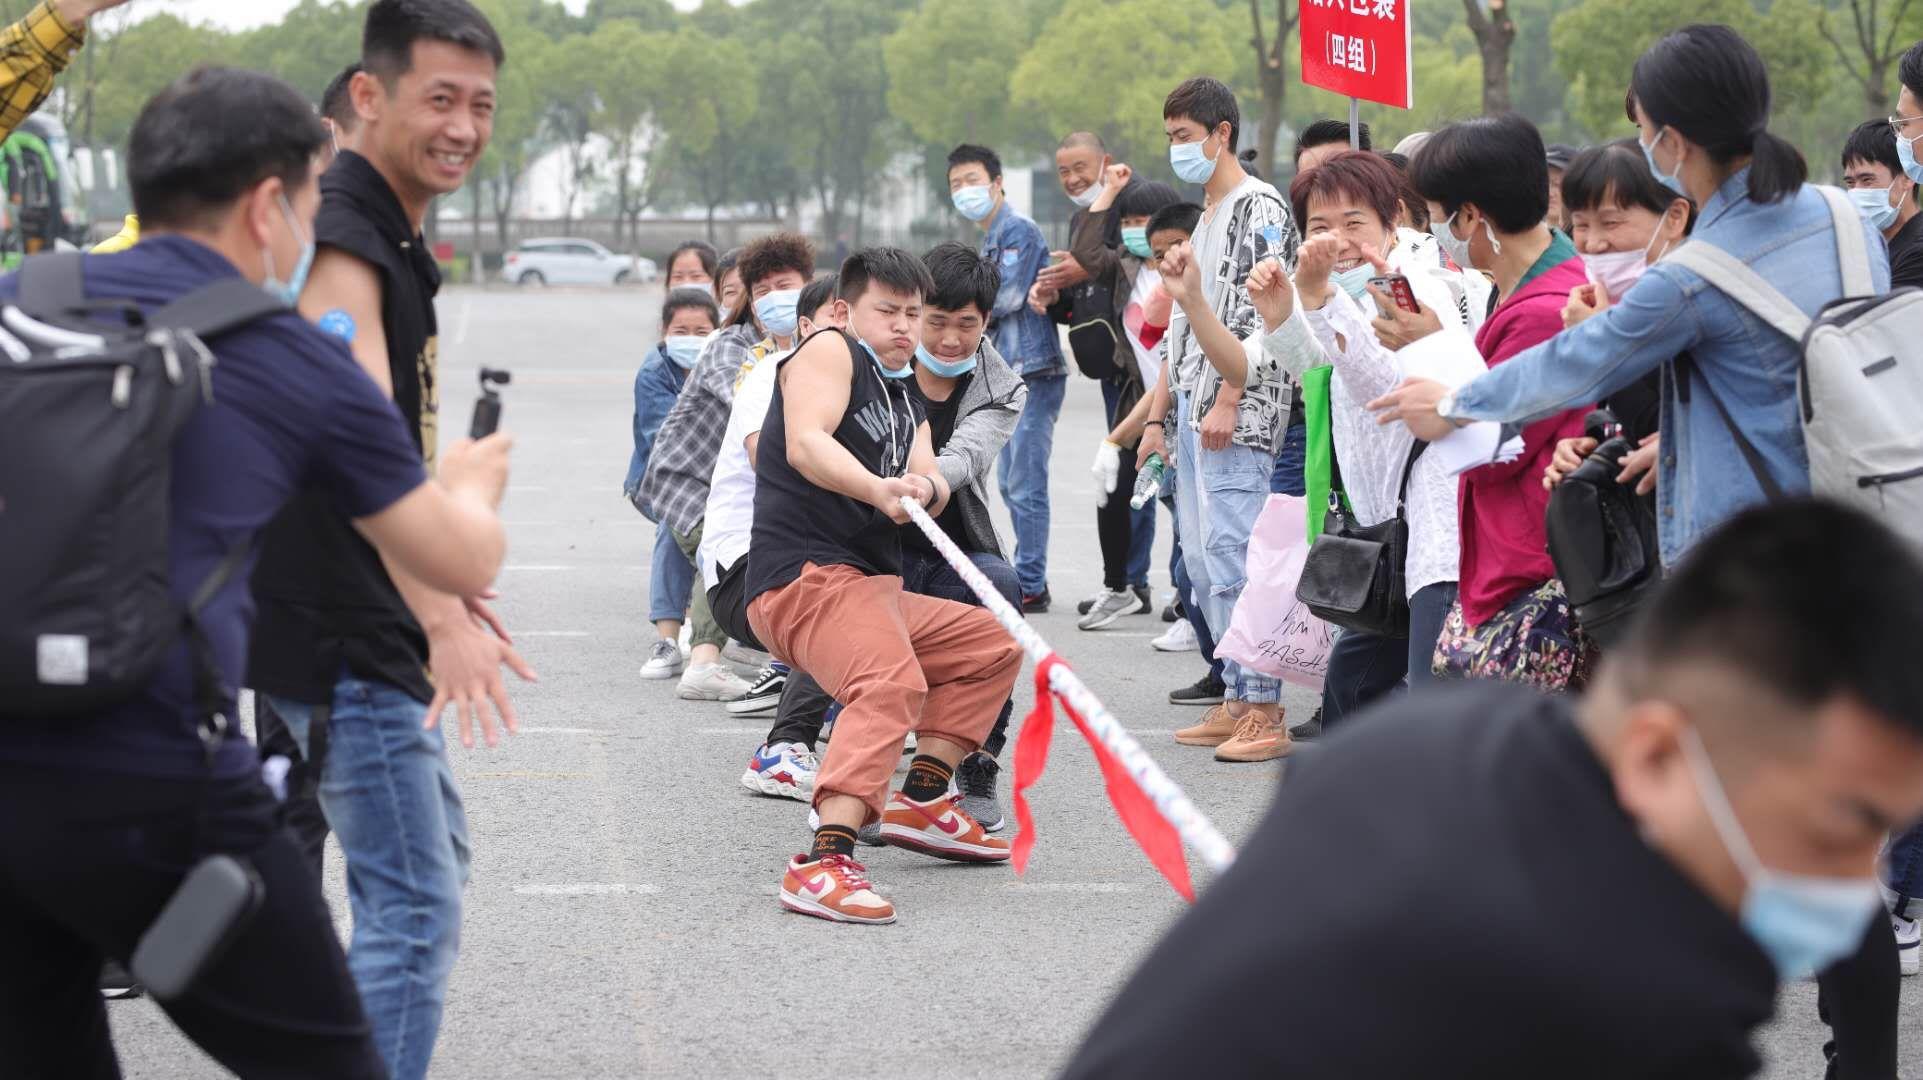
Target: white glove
{"points": [[1107, 470]]}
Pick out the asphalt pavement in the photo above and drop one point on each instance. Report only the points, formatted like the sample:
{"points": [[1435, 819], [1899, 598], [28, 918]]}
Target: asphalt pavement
{"points": [[622, 920]]}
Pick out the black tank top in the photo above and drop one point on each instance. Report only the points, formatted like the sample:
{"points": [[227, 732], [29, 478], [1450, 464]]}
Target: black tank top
{"points": [[796, 522]]}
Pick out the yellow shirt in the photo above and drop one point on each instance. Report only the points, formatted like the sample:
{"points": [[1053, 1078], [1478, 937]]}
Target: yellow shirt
{"points": [[127, 237], [32, 52]]}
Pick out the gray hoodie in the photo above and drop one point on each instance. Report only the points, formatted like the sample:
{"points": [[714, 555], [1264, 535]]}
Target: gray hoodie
{"points": [[985, 419]]}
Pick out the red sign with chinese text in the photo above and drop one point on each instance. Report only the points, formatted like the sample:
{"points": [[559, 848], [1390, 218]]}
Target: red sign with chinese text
{"points": [[1359, 49]]}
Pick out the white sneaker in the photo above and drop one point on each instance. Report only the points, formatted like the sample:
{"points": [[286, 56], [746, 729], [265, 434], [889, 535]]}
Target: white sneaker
{"points": [[664, 661], [784, 770], [711, 682], [1909, 944], [747, 661], [687, 640], [1179, 637]]}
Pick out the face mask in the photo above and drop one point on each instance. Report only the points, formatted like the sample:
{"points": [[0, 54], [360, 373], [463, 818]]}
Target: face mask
{"points": [[1354, 281], [886, 371], [1190, 164], [1906, 154], [777, 311], [1135, 239], [1445, 234], [941, 367], [683, 349], [1087, 198], [1874, 203], [1674, 180], [975, 202], [288, 292], [1616, 271], [1804, 923]]}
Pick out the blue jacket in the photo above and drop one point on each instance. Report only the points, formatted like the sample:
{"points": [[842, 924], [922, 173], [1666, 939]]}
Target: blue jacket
{"points": [[1015, 246], [1703, 479], [656, 386]]}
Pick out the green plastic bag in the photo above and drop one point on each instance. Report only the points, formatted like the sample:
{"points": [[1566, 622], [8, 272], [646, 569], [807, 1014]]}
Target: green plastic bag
{"points": [[1318, 468]]}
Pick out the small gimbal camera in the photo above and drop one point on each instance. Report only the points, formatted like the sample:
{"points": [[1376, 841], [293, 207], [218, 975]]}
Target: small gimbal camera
{"points": [[487, 410]]}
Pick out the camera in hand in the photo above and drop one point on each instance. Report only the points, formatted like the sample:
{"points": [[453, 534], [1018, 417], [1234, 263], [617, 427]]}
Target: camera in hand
{"points": [[487, 410], [1602, 536]]}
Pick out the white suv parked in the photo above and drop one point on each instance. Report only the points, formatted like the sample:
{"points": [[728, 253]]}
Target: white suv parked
{"points": [[561, 261]]}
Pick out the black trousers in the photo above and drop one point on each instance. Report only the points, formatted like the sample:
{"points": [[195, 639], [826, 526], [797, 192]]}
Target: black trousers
{"points": [[1858, 998], [87, 861], [1115, 526], [302, 810], [728, 601]]}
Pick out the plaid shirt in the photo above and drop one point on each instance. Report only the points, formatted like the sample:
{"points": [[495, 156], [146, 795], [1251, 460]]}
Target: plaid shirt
{"points": [[32, 52], [674, 491]]}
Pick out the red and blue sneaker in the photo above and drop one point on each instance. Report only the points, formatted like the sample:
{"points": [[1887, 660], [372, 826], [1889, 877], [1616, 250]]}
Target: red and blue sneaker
{"points": [[784, 770]]}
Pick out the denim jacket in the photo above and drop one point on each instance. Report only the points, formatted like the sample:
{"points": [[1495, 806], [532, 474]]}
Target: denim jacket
{"points": [[1015, 246], [1703, 478], [656, 386]]}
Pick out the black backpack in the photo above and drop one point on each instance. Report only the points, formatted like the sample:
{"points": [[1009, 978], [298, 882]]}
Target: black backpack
{"points": [[92, 395], [1602, 537]]}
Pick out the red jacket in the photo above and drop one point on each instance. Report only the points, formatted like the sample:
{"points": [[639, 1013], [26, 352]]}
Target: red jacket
{"points": [[1505, 550]]}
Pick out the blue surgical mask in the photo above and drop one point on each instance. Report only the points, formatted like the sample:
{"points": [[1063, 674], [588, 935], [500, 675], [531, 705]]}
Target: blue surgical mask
{"points": [[1354, 281], [886, 371], [936, 365], [1874, 204], [1135, 239], [777, 312], [1674, 181], [1804, 923], [683, 349], [1906, 153], [1190, 164], [974, 202], [288, 291]]}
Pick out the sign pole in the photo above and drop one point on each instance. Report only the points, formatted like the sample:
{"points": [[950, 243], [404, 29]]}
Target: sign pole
{"points": [[1355, 124]]}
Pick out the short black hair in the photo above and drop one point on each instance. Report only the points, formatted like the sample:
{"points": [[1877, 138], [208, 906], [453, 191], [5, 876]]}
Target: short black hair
{"points": [[1617, 172], [819, 293], [1145, 198], [769, 255], [684, 298], [962, 277], [889, 267], [1745, 599], [1183, 217], [1496, 162], [1208, 102], [970, 154], [1909, 70], [1871, 142], [702, 250], [1324, 132], [393, 26], [336, 103], [212, 136]]}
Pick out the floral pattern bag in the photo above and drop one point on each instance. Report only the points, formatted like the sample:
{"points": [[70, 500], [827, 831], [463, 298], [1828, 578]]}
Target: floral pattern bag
{"points": [[1534, 641]]}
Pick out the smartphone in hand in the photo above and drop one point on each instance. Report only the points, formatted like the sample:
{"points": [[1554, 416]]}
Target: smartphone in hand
{"points": [[1397, 285]]}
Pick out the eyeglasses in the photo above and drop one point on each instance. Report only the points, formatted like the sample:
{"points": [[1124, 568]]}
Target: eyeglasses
{"points": [[1897, 122]]}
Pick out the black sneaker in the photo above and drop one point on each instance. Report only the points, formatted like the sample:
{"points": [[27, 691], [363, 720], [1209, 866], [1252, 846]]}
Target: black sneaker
{"points": [[1172, 611], [1037, 604], [764, 695], [976, 778], [1310, 730], [1208, 690], [1148, 601]]}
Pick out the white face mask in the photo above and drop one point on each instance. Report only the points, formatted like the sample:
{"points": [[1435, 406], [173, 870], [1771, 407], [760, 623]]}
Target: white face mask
{"points": [[1616, 271], [1087, 198]]}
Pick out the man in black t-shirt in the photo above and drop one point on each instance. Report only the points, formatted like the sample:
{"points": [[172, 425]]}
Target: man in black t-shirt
{"points": [[345, 641], [846, 439], [1499, 884]]}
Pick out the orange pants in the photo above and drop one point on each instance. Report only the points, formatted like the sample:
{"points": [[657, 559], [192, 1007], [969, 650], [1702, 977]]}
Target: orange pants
{"points": [[897, 662]]}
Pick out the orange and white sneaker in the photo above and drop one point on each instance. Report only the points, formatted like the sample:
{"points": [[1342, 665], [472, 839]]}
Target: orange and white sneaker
{"points": [[833, 888], [940, 828]]}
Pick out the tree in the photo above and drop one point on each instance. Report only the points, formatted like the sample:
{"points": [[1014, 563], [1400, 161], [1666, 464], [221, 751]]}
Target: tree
{"points": [[1495, 33], [948, 68], [1272, 75], [1874, 45], [1069, 78], [709, 134], [518, 118], [624, 109], [569, 120], [308, 47], [137, 63]]}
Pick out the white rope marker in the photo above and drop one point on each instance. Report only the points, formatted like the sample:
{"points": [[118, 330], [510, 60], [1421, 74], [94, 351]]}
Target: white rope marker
{"points": [[1194, 826]]}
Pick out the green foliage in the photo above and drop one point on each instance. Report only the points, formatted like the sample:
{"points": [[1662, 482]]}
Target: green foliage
{"points": [[948, 68]]}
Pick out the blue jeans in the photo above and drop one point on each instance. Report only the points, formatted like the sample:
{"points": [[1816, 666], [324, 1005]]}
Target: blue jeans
{"points": [[1366, 667], [1217, 498], [670, 578], [388, 793], [1191, 607], [1904, 887], [1141, 536], [930, 575], [1023, 477], [1288, 478]]}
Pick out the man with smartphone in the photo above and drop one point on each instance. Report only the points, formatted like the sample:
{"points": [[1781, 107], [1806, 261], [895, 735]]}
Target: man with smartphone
{"points": [[104, 815], [350, 646]]}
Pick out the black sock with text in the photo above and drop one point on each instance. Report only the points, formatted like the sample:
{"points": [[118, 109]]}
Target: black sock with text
{"points": [[927, 779]]}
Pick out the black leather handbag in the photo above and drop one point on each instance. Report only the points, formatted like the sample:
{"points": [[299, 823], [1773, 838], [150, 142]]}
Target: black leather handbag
{"points": [[1602, 538], [1353, 576]]}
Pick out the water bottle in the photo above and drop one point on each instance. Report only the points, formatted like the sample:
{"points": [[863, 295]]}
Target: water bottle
{"points": [[1148, 482]]}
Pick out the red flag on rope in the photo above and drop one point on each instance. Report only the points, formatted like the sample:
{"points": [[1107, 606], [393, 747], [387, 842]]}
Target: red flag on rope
{"points": [[1158, 839]]}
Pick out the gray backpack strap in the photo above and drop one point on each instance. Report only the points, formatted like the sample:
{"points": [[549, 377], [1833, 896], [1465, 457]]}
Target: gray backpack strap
{"points": [[1852, 254], [1745, 286], [50, 284]]}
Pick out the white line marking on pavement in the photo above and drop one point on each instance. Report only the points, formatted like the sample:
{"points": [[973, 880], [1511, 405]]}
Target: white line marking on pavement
{"points": [[585, 888], [566, 731]]}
